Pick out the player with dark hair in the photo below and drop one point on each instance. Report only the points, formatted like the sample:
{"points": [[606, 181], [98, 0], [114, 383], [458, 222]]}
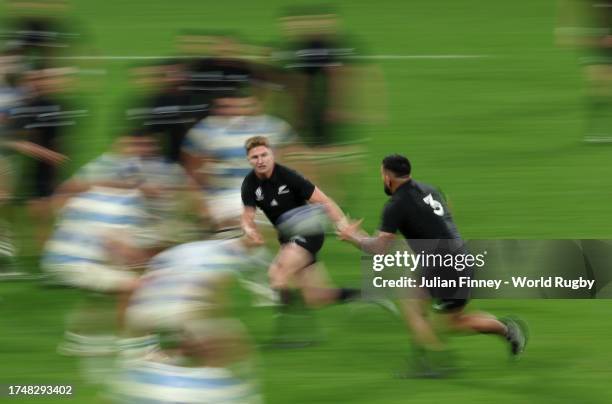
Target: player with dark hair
{"points": [[419, 213]]}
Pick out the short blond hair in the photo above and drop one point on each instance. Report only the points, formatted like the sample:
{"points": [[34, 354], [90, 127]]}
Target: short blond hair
{"points": [[256, 141]]}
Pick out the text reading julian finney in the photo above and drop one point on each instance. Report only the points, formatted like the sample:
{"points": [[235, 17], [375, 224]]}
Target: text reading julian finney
{"points": [[451, 271], [521, 282]]}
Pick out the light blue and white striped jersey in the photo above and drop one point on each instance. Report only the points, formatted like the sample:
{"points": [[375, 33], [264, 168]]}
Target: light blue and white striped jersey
{"points": [[87, 219], [154, 171], [112, 167], [163, 173], [155, 383], [221, 139], [189, 273], [92, 215]]}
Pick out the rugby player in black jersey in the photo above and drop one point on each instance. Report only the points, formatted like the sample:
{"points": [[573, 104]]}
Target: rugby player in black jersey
{"points": [[419, 213], [287, 198]]}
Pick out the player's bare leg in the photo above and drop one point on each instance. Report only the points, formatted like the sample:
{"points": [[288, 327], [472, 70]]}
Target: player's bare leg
{"points": [[429, 358], [292, 320], [290, 260], [293, 273], [294, 267], [483, 323], [512, 330], [415, 313], [316, 286]]}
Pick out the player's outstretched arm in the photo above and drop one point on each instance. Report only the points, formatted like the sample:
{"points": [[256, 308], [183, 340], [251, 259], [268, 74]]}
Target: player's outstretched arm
{"points": [[378, 244], [334, 213], [247, 221], [36, 151]]}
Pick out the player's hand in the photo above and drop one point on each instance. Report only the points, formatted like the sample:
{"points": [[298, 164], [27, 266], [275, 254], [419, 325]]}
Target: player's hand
{"points": [[254, 237], [350, 230]]}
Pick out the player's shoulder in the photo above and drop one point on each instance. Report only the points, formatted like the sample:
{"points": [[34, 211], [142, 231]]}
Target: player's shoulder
{"points": [[281, 171], [422, 186], [430, 189], [249, 179], [281, 168], [423, 192], [409, 193], [417, 188]]}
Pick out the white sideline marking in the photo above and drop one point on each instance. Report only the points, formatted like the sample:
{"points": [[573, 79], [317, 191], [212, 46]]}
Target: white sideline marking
{"points": [[365, 57]]}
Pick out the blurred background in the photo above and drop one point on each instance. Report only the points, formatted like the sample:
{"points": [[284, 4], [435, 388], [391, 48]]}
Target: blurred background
{"points": [[503, 105]]}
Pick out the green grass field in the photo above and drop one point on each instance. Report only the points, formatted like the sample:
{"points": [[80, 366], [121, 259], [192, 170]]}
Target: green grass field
{"points": [[499, 133]]}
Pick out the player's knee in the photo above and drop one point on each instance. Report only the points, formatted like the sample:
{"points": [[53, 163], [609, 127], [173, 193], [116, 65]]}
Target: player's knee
{"points": [[277, 283], [315, 297], [312, 300], [276, 277]]}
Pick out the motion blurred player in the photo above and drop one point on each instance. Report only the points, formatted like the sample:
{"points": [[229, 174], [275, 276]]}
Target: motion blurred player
{"points": [[43, 119], [418, 211]]}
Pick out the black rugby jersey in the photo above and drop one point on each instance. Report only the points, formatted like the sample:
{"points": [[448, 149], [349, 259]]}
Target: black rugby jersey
{"points": [[418, 211], [286, 189]]}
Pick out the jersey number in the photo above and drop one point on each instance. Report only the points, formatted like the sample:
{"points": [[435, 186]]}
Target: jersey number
{"points": [[437, 207]]}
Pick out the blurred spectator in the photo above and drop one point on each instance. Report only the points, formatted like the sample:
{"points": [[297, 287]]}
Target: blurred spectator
{"points": [[587, 26]]}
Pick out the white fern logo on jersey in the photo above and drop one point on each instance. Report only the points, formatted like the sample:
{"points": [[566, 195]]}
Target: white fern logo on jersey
{"points": [[259, 194], [283, 190], [297, 238], [273, 203], [437, 207]]}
